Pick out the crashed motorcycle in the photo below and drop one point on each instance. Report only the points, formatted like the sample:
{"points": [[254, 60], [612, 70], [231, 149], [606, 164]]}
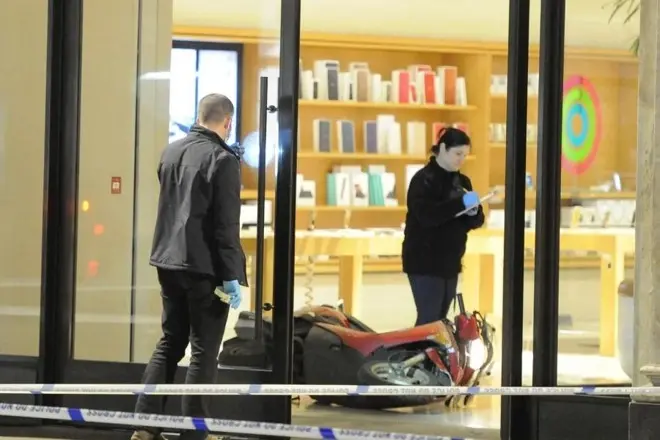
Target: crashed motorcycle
{"points": [[334, 348]]}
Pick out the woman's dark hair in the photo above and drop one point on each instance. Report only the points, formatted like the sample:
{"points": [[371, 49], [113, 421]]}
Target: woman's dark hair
{"points": [[451, 137]]}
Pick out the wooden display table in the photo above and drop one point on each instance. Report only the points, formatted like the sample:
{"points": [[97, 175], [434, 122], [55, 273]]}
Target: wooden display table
{"points": [[613, 244], [352, 247], [483, 265], [349, 249]]}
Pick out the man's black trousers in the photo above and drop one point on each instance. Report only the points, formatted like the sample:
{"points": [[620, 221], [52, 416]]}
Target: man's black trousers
{"points": [[192, 312]]}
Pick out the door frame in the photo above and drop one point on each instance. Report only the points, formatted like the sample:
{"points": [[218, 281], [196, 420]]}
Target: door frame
{"points": [[55, 363]]}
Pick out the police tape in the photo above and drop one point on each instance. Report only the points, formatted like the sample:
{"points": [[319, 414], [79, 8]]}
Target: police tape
{"points": [[322, 390], [166, 422]]}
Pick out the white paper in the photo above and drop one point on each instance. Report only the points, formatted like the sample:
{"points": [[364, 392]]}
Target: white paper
{"points": [[485, 198]]}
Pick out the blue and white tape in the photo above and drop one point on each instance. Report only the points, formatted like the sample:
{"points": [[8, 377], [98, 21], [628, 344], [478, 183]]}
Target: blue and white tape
{"points": [[118, 418], [322, 390]]}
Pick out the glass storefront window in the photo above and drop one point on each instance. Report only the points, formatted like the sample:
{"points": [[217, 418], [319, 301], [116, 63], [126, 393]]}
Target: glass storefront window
{"points": [[22, 125], [219, 72], [151, 93], [368, 115], [196, 72], [599, 168], [196, 69], [183, 91]]}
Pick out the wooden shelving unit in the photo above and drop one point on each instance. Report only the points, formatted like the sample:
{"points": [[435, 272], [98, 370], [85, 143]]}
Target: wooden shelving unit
{"points": [[614, 78], [370, 209], [251, 194], [369, 157], [390, 106], [614, 73], [383, 60], [530, 196]]}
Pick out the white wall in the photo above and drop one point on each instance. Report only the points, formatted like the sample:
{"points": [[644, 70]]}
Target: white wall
{"points": [[486, 20]]}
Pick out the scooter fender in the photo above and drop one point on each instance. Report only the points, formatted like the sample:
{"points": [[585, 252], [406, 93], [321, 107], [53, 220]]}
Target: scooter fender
{"points": [[368, 343]]}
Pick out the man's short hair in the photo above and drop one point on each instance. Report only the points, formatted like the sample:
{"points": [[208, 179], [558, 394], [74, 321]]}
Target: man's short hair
{"points": [[214, 108]]}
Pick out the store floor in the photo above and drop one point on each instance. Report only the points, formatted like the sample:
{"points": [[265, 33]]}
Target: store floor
{"points": [[479, 421], [386, 304]]}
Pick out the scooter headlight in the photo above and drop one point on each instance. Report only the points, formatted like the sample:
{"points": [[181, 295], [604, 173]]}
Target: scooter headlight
{"points": [[476, 354]]}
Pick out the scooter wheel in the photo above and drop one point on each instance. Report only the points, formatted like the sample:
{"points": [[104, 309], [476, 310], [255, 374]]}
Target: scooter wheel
{"points": [[380, 373]]}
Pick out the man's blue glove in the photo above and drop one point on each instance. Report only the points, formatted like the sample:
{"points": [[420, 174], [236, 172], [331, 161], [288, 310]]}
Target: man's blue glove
{"points": [[470, 199], [233, 290]]}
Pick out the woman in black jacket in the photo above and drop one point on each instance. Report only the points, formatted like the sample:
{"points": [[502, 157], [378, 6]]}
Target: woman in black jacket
{"points": [[435, 237]]}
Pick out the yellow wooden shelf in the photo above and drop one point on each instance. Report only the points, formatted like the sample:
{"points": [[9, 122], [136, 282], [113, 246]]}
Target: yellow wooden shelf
{"points": [[627, 195], [251, 194], [383, 105], [529, 196], [615, 81], [393, 265], [500, 96], [612, 73], [502, 145], [327, 208], [315, 155], [624, 195]]}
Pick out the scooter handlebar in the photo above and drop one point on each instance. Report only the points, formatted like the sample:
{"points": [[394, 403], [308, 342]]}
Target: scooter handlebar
{"points": [[461, 303]]}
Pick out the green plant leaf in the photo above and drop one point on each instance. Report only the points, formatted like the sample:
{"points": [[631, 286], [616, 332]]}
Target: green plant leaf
{"points": [[634, 47], [631, 14], [631, 9]]}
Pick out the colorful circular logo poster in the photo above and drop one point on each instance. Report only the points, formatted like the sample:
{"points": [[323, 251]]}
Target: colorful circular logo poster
{"points": [[582, 125]]}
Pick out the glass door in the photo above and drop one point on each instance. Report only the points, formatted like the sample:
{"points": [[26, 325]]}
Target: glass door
{"points": [[24, 36], [139, 92]]}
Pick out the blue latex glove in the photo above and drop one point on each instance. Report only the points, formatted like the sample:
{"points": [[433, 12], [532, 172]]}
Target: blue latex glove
{"points": [[233, 290], [473, 211], [470, 199]]}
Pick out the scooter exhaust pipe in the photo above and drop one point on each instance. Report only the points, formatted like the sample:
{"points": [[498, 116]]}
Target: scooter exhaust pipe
{"points": [[411, 362]]}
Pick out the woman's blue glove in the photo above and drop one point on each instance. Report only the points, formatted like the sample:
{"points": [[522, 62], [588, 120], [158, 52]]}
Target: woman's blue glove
{"points": [[233, 290], [470, 199]]}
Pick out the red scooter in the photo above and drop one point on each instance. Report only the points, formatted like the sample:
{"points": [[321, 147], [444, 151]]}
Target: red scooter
{"points": [[333, 348]]}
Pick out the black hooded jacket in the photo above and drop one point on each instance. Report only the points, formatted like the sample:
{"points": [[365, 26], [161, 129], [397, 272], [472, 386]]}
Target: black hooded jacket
{"points": [[199, 207], [435, 238]]}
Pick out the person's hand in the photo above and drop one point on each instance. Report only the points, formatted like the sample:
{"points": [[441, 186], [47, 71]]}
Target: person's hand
{"points": [[470, 199], [233, 290], [473, 211]]}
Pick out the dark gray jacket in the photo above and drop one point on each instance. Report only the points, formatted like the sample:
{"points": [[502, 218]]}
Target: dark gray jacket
{"points": [[199, 207]]}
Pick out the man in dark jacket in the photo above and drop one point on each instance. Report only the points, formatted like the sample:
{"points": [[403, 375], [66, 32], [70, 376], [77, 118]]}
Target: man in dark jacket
{"points": [[196, 248]]}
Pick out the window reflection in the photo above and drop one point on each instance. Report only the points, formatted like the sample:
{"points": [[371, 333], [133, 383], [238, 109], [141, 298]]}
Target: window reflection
{"points": [[196, 72], [183, 91], [218, 73]]}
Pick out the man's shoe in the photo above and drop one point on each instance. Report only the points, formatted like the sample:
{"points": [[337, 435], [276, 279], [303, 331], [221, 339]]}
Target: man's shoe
{"points": [[146, 435]]}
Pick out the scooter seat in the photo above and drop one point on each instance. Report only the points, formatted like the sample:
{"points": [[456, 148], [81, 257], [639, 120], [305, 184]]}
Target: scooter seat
{"points": [[422, 331], [367, 343]]}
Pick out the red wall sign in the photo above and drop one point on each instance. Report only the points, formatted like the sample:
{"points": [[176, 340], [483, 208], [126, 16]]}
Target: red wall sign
{"points": [[115, 185]]}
